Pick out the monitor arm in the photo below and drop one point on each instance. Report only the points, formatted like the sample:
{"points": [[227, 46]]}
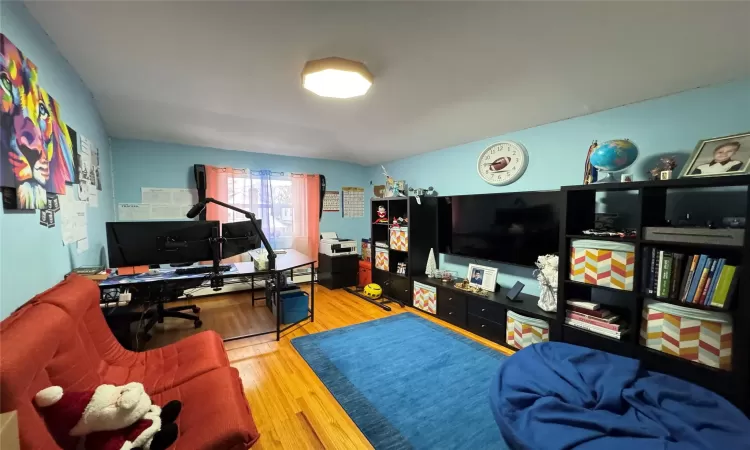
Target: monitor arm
{"points": [[198, 207]]}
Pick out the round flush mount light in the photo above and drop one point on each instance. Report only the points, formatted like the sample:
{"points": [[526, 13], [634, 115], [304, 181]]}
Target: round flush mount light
{"points": [[336, 77]]}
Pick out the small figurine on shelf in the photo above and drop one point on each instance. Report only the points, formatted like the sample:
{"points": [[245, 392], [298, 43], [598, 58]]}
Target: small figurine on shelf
{"points": [[389, 184], [664, 170], [399, 189], [399, 221], [401, 268], [382, 215], [668, 164], [448, 276]]}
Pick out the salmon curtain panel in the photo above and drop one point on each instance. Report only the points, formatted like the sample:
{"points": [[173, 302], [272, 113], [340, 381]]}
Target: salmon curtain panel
{"points": [[306, 214], [217, 186]]}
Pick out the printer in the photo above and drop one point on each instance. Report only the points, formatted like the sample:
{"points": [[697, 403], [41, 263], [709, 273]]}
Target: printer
{"points": [[332, 245]]}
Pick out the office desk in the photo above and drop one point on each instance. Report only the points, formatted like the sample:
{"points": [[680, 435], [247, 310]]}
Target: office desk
{"points": [[168, 281]]}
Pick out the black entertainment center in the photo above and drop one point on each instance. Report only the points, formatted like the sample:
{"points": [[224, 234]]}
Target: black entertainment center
{"points": [[469, 225], [465, 225]]}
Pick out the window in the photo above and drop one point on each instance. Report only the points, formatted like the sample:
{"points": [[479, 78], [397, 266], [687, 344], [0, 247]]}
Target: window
{"points": [[269, 196]]}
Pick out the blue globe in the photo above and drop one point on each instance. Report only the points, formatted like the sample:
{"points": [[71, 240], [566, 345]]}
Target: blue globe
{"points": [[614, 155]]}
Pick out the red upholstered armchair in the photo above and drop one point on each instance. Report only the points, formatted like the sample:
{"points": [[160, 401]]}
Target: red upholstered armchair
{"points": [[60, 337]]}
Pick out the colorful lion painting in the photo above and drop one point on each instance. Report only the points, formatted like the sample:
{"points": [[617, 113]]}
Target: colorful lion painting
{"points": [[36, 152]]}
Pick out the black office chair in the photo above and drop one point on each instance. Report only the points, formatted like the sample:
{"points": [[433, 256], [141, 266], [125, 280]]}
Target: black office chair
{"points": [[156, 312]]}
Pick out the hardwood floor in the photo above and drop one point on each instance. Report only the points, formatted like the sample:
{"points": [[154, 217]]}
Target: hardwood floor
{"points": [[291, 406], [229, 315]]}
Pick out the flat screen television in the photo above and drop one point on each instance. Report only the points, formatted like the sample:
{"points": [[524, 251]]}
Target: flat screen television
{"points": [[513, 228]]}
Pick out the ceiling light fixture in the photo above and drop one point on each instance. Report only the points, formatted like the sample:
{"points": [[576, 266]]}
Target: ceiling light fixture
{"points": [[336, 77]]}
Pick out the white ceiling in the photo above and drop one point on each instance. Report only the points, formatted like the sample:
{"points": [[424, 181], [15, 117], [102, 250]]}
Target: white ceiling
{"points": [[227, 74]]}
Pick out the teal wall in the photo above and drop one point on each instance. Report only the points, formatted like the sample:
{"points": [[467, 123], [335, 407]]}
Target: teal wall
{"points": [[151, 164], [665, 126], [33, 258]]}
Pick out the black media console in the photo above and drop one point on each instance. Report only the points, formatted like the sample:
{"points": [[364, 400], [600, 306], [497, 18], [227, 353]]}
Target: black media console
{"points": [[484, 316]]}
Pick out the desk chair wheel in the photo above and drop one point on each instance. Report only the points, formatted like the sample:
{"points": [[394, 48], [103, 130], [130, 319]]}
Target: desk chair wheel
{"points": [[196, 309], [198, 324]]}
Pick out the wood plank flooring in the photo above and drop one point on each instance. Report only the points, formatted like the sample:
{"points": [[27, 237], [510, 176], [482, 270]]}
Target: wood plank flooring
{"points": [[291, 406]]}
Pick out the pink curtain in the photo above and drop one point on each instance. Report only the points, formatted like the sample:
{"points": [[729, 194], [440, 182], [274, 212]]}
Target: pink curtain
{"points": [[217, 186], [306, 214]]}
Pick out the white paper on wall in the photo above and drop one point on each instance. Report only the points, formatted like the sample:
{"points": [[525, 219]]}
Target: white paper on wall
{"points": [[166, 212], [73, 222], [157, 196], [185, 196], [82, 245], [169, 196], [133, 212], [82, 192], [93, 197]]}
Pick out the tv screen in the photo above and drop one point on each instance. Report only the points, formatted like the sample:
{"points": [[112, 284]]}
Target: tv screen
{"points": [[513, 228]]}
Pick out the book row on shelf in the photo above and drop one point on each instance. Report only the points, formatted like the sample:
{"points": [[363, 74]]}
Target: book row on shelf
{"points": [[592, 317], [691, 279]]}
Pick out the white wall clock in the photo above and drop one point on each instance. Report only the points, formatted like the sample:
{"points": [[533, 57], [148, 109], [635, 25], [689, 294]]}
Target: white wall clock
{"points": [[503, 163]]}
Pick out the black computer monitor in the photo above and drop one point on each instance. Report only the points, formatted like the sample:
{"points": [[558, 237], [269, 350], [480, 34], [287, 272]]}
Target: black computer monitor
{"points": [[239, 237], [145, 243]]}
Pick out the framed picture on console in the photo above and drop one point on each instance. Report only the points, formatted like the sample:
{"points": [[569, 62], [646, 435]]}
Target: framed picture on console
{"points": [[482, 277]]}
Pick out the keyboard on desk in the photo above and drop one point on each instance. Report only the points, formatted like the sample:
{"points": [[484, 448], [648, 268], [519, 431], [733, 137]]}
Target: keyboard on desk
{"points": [[198, 270]]}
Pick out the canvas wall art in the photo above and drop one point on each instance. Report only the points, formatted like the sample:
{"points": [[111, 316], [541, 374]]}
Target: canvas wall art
{"points": [[36, 151]]}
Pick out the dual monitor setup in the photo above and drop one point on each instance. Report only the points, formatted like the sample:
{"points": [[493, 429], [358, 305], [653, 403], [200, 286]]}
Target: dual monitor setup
{"points": [[185, 242], [177, 242]]}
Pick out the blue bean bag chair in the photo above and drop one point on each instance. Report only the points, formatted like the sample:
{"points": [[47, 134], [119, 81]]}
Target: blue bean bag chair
{"points": [[560, 396]]}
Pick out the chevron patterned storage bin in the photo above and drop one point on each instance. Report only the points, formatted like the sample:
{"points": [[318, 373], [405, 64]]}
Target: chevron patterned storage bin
{"points": [[425, 298], [522, 331], [701, 336], [602, 263], [381, 258], [400, 238]]}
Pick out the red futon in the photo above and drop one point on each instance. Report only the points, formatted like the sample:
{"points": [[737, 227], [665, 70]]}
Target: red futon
{"points": [[60, 337]]}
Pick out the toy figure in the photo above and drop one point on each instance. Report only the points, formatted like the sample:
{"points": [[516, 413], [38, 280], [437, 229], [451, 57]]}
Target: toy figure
{"points": [[382, 215], [108, 418], [591, 174], [399, 188], [389, 184]]}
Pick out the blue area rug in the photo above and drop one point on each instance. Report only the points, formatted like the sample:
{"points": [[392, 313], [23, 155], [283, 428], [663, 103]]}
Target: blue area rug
{"points": [[408, 382]]}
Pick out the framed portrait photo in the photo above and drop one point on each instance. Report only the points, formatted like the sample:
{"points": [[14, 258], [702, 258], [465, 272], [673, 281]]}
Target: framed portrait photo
{"points": [[721, 156], [482, 277]]}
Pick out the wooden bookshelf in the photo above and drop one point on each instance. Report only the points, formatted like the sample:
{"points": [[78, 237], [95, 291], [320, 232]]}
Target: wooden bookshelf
{"points": [[579, 204]]}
